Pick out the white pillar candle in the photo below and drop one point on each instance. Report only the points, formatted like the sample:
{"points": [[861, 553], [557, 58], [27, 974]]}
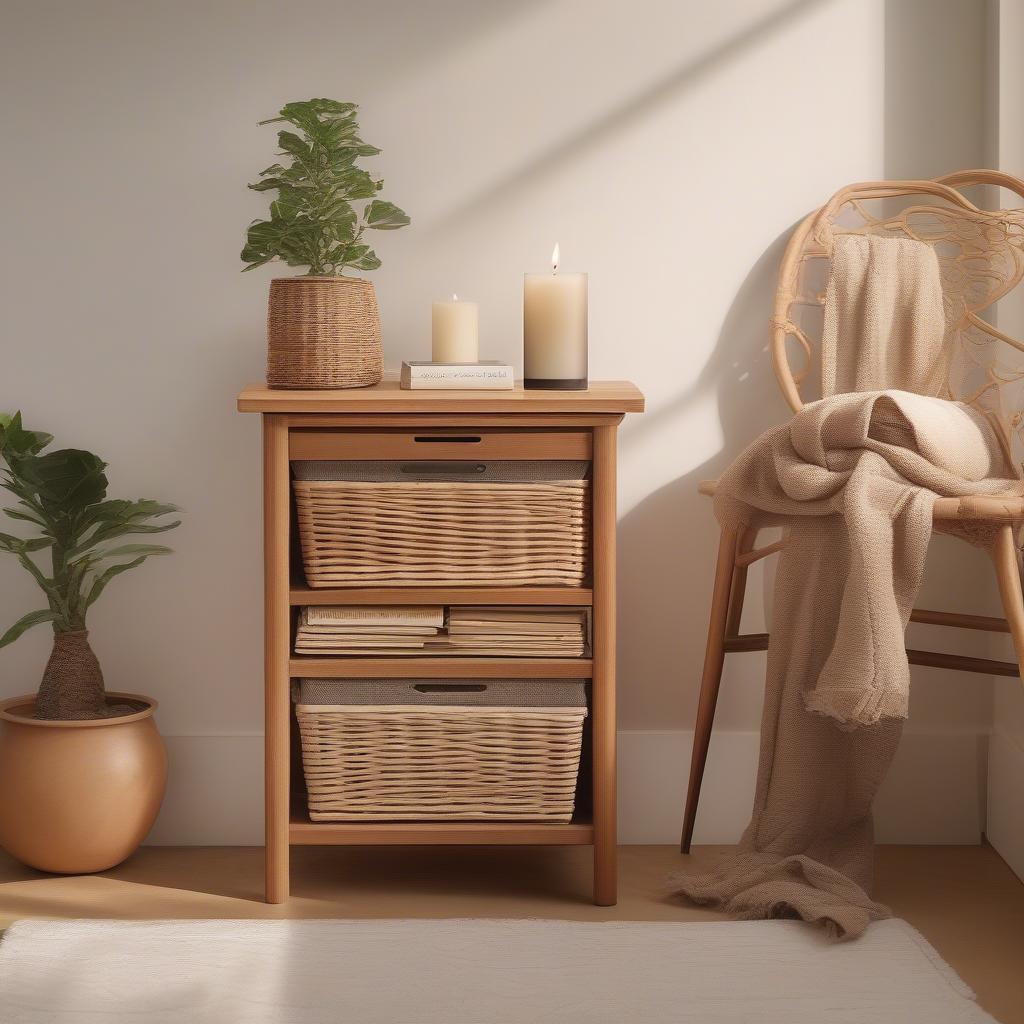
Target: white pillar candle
{"points": [[455, 329], [555, 330]]}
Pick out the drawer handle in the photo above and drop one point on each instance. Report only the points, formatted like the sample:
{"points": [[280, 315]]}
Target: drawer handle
{"points": [[435, 468], [449, 688], [448, 439]]}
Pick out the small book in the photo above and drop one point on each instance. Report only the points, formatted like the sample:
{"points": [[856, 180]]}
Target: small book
{"points": [[489, 375], [356, 615]]}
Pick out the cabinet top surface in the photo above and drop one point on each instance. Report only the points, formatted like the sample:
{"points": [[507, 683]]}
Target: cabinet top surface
{"points": [[602, 396]]}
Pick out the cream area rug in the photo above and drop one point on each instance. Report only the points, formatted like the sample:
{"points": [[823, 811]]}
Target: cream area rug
{"points": [[462, 971]]}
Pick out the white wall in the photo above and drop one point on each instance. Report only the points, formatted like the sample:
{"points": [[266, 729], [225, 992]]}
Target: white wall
{"points": [[669, 147], [1005, 817]]}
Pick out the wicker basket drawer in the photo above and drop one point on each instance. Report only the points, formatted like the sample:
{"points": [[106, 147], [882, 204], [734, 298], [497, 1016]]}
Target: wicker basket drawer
{"points": [[443, 523], [431, 750]]}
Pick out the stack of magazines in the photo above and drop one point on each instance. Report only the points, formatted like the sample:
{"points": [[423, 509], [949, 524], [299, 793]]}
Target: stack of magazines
{"points": [[518, 632], [362, 629], [435, 630]]}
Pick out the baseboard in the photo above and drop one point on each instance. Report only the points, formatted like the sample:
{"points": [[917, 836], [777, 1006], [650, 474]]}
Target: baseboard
{"points": [[934, 794], [214, 792], [1005, 825]]}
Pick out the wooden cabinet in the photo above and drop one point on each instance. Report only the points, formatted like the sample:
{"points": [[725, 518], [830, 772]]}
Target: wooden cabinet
{"points": [[384, 423]]}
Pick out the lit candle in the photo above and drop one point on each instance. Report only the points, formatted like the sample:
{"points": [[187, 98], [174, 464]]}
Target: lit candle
{"points": [[555, 330], [455, 329]]}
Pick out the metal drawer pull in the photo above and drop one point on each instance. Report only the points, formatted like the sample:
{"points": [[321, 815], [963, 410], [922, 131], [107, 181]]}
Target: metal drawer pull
{"points": [[449, 688], [435, 468], [448, 439]]}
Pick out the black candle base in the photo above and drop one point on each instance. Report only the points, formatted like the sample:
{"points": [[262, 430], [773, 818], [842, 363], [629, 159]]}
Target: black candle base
{"points": [[553, 384]]}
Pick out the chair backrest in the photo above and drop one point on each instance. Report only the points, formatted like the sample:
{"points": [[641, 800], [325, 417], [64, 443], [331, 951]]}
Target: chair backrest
{"points": [[980, 254]]}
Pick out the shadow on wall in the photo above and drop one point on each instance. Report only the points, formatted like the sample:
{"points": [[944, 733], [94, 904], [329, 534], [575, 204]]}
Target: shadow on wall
{"points": [[662, 637], [934, 87], [575, 146], [933, 124]]}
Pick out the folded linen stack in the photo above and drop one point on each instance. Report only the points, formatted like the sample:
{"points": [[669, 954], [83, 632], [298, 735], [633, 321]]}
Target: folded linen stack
{"points": [[364, 629], [518, 632], [434, 630]]}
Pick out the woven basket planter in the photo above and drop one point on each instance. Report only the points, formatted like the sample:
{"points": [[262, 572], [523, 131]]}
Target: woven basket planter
{"points": [[506, 530], [323, 332], [396, 762]]}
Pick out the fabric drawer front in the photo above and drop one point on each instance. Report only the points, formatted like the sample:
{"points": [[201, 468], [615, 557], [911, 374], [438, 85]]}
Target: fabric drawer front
{"points": [[433, 692]]}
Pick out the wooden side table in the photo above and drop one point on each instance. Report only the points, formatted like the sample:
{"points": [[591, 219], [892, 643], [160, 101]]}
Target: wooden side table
{"points": [[380, 423]]}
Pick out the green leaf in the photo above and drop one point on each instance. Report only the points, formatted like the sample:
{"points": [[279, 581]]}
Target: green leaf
{"points": [[253, 264], [342, 225], [26, 622], [333, 108], [384, 216], [356, 183], [362, 257], [281, 211], [102, 579], [18, 545], [134, 549], [18, 443], [24, 516], [267, 184], [120, 509], [66, 480], [291, 143]]}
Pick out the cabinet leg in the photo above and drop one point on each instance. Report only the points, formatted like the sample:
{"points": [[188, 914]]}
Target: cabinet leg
{"points": [[277, 885], [603, 677], [277, 627], [605, 874]]}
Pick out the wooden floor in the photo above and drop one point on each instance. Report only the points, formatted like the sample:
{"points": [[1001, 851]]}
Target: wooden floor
{"points": [[965, 900]]}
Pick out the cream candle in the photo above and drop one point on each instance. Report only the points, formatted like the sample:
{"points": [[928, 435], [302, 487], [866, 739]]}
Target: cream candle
{"points": [[555, 330], [455, 328]]}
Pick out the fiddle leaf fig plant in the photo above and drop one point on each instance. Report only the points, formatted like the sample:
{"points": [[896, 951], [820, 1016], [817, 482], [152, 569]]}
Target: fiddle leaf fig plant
{"points": [[313, 222], [62, 494]]}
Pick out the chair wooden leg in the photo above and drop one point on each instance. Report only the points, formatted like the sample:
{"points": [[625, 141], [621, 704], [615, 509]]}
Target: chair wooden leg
{"points": [[1004, 555], [745, 542], [714, 657]]}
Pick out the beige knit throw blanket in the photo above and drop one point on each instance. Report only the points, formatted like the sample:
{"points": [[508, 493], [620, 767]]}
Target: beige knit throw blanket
{"points": [[853, 479], [884, 323]]}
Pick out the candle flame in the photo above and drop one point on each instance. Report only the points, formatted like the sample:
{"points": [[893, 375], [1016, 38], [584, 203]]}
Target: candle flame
{"points": [[455, 297], [554, 259]]}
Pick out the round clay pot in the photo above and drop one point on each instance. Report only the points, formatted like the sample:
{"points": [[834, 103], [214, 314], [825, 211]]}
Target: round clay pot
{"points": [[77, 797], [323, 332]]}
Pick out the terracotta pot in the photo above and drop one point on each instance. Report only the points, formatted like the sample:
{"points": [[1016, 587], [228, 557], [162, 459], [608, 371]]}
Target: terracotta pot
{"points": [[323, 332], [77, 797]]}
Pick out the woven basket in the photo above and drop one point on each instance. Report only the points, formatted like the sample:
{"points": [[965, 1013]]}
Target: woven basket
{"points": [[499, 529], [323, 332], [395, 762]]}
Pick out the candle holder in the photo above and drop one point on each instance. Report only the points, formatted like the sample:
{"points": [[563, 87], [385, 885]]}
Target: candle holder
{"points": [[555, 330]]}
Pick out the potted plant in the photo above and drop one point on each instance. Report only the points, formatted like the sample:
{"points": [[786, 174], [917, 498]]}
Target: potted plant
{"points": [[83, 770], [323, 329]]}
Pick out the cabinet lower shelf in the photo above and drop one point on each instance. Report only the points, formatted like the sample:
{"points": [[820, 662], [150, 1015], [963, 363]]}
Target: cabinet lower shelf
{"points": [[300, 594], [310, 667], [303, 832]]}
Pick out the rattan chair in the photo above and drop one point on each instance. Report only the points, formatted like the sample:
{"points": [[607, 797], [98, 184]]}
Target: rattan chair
{"points": [[981, 258]]}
